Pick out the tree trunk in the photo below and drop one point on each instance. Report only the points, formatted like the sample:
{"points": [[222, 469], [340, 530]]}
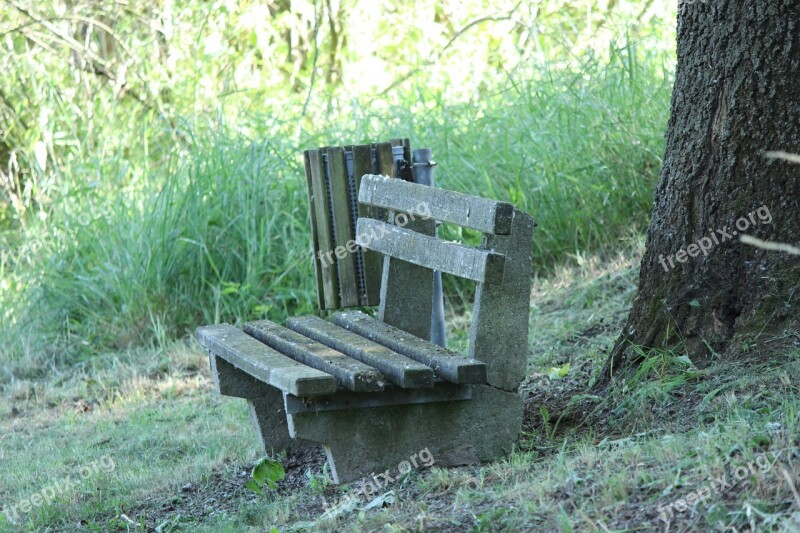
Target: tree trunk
{"points": [[736, 95]]}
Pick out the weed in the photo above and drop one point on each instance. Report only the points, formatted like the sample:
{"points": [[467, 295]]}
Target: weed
{"points": [[266, 472]]}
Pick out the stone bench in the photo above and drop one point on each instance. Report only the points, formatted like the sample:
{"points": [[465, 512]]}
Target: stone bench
{"points": [[373, 391]]}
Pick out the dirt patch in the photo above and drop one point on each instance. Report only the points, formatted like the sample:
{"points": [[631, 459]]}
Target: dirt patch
{"points": [[224, 491]]}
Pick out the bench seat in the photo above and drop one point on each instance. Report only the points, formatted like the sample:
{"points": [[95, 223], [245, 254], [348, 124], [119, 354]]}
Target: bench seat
{"points": [[356, 361]]}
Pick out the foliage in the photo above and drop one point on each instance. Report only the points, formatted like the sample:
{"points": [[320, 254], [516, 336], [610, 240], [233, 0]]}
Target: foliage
{"points": [[81, 74], [150, 156], [154, 412], [558, 372], [266, 472]]}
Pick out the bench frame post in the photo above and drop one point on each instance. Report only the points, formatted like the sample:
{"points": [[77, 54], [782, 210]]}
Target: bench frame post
{"points": [[499, 332], [266, 405]]}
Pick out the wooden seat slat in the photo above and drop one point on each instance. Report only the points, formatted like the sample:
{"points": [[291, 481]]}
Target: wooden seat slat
{"points": [[349, 373], [447, 364], [398, 369], [264, 363]]}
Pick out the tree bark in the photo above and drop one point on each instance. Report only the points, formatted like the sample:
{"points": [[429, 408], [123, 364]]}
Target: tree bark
{"points": [[736, 95]]}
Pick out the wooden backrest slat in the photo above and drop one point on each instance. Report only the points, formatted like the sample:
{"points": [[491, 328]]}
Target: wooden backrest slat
{"points": [[481, 214], [362, 164], [312, 211], [385, 159], [342, 226], [323, 230], [429, 252]]}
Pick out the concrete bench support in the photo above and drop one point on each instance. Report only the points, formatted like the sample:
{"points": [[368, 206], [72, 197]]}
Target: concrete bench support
{"points": [[359, 443]]}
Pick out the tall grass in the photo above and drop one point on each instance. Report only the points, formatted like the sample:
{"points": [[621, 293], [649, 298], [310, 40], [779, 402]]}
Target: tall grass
{"points": [[224, 236], [579, 150], [219, 230]]}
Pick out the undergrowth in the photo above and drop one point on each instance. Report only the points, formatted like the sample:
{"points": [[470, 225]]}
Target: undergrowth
{"points": [[136, 252]]}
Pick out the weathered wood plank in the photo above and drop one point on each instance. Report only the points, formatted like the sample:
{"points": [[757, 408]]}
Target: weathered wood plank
{"points": [[470, 263], [324, 218], [481, 214], [349, 373], [312, 214], [362, 163], [385, 159], [343, 228], [264, 363], [398, 369], [447, 364]]}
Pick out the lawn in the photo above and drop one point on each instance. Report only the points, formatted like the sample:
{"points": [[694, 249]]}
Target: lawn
{"points": [[139, 441], [151, 181]]}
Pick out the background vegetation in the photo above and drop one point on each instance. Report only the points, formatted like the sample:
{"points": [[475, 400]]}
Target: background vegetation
{"points": [[150, 152], [151, 180]]}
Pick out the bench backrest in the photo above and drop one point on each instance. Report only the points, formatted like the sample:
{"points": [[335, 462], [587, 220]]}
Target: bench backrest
{"points": [[501, 266]]}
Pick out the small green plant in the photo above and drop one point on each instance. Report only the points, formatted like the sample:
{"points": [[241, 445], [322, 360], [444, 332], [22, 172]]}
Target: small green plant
{"points": [[491, 520], [558, 372], [266, 472], [546, 421], [318, 482]]}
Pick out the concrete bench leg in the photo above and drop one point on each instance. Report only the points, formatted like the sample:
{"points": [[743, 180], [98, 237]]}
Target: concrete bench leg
{"points": [[266, 406], [269, 419], [366, 441]]}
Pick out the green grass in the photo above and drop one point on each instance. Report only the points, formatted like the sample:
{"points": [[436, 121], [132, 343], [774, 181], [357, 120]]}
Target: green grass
{"points": [[150, 220], [136, 252], [182, 453]]}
